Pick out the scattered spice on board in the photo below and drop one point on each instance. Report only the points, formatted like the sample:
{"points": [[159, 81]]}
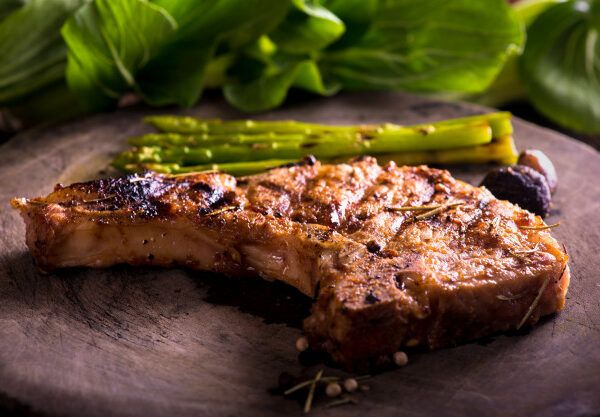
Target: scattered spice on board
{"points": [[342, 390]]}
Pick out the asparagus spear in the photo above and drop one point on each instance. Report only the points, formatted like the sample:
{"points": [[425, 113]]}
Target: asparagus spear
{"points": [[500, 150], [275, 143], [499, 123], [170, 140], [233, 168], [190, 125], [330, 146]]}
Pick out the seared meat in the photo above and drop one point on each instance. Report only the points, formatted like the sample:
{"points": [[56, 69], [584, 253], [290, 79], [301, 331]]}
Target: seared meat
{"points": [[384, 276]]}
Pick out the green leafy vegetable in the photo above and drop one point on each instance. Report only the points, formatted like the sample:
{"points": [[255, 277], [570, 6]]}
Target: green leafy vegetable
{"points": [[309, 78], [176, 75], [560, 67], [32, 52], [308, 27], [441, 45], [265, 92], [9, 6], [507, 87], [236, 22], [528, 10], [109, 40], [357, 16], [118, 46], [457, 46], [168, 51], [270, 90]]}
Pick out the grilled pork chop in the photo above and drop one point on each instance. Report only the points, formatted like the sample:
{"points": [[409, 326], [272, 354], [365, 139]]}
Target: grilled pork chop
{"points": [[385, 272]]}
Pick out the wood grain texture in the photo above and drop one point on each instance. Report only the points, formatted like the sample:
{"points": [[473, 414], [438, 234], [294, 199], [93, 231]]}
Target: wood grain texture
{"points": [[152, 342]]}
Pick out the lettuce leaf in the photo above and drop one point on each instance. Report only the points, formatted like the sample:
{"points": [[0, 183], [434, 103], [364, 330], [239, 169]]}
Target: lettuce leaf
{"points": [[158, 49], [176, 75], [7, 7], [560, 67], [109, 40], [454, 46], [32, 52], [308, 27], [256, 50], [435, 45], [357, 16], [270, 90]]}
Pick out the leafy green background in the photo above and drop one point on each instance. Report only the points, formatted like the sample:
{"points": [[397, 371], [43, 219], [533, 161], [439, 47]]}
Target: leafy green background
{"points": [[77, 56], [561, 71]]}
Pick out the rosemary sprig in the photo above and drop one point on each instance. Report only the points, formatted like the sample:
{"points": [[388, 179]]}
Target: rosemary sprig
{"points": [[307, 383], [537, 298], [535, 249], [413, 208], [518, 256], [318, 379], [436, 211], [519, 253], [311, 392], [493, 224], [138, 179], [535, 302], [564, 248], [512, 297], [39, 203], [82, 209], [544, 227], [222, 210], [347, 399], [297, 387], [96, 200]]}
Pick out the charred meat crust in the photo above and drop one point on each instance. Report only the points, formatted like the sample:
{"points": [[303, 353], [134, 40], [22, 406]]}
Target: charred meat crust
{"points": [[386, 276]]}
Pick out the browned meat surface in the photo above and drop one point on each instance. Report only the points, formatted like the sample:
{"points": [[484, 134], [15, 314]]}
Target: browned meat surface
{"points": [[383, 278]]}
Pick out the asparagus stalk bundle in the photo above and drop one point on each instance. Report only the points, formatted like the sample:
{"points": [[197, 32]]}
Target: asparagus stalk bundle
{"points": [[242, 147], [500, 122]]}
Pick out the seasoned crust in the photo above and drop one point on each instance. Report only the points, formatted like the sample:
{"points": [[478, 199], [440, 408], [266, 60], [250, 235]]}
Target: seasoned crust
{"points": [[385, 277]]}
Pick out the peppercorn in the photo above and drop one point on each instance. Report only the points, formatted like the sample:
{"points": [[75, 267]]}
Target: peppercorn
{"points": [[302, 344], [333, 389], [400, 358], [350, 385]]}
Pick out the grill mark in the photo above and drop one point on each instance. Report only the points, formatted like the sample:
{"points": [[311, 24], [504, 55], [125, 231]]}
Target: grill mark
{"points": [[479, 213], [215, 196], [352, 225], [277, 204], [309, 160], [270, 185], [144, 195], [345, 223], [411, 216]]}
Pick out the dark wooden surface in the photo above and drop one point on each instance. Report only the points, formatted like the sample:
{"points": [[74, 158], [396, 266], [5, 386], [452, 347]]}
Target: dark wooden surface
{"points": [[153, 342]]}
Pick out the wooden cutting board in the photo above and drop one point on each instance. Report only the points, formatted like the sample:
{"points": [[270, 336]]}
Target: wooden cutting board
{"points": [[154, 342]]}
